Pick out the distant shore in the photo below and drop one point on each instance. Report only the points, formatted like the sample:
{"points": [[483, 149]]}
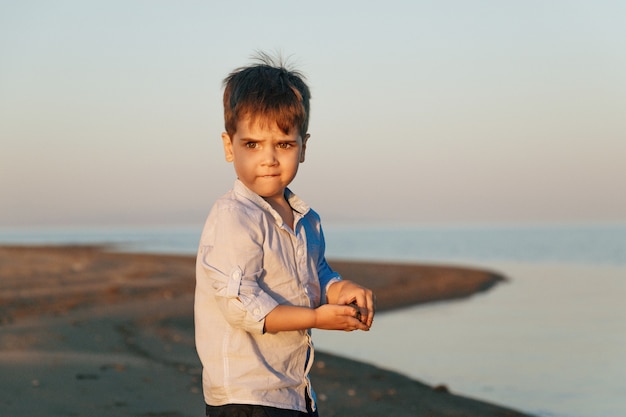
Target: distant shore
{"points": [[56, 303]]}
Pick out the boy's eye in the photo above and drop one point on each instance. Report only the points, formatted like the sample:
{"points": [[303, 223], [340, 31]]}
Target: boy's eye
{"points": [[252, 145], [284, 145]]}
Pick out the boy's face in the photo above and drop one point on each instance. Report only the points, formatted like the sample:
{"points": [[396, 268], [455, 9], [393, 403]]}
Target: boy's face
{"points": [[265, 159]]}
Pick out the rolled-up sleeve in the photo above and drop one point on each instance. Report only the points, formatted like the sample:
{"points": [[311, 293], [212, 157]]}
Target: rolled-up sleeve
{"points": [[231, 257]]}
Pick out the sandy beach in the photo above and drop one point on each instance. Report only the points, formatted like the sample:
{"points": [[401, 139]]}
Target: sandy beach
{"points": [[90, 332]]}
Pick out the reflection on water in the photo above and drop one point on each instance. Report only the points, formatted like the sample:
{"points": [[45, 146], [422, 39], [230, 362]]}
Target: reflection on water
{"points": [[550, 342]]}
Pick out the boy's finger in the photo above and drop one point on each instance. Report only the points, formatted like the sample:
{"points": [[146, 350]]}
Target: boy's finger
{"points": [[369, 309], [356, 321], [364, 314], [357, 311]]}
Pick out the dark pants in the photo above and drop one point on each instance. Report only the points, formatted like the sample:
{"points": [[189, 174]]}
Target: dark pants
{"points": [[245, 410]]}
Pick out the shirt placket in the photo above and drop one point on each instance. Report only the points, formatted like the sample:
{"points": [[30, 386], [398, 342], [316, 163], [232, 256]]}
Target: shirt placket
{"points": [[300, 250], [300, 246]]}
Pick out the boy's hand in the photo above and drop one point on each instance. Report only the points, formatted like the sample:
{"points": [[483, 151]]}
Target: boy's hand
{"points": [[347, 292], [338, 317]]}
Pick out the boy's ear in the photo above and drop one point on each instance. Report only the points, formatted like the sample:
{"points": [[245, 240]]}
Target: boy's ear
{"points": [[303, 149], [228, 147]]}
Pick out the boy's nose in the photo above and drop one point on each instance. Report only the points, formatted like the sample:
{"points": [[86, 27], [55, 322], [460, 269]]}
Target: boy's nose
{"points": [[269, 158]]}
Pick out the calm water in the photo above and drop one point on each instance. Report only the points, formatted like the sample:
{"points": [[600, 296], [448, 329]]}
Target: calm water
{"points": [[597, 245], [552, 341]]}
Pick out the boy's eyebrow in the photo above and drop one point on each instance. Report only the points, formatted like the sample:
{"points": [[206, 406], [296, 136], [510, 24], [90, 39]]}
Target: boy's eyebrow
{"points": [[250, 139]]}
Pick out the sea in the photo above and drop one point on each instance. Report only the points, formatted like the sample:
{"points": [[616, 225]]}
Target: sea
{"points": [[550, 341]]}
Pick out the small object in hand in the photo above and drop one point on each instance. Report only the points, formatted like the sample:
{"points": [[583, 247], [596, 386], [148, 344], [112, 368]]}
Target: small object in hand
{"points": [[358, 311]]}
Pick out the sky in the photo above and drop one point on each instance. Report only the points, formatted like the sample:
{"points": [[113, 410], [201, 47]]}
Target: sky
{"points": [[423, 112]]}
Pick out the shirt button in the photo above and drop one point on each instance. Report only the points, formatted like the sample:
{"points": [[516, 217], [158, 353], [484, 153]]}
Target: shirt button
{"points": [[299, 252], [236, 275], [256, 311]]}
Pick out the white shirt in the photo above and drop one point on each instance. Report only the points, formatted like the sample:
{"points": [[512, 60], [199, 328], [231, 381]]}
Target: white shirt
{"points": [[249, 262]]}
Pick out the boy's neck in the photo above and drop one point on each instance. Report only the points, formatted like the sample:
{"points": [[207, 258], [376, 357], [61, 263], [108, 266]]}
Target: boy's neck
{"points": [[283, 208]]}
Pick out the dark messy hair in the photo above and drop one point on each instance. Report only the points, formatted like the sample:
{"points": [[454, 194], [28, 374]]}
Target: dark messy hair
{"points": [[268, 91]]}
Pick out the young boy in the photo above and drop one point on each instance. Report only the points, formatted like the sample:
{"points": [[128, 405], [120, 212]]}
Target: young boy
{"points": [[262, 281]]}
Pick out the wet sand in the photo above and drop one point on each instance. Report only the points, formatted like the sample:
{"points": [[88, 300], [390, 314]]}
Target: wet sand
{"points": [[90, 332]]}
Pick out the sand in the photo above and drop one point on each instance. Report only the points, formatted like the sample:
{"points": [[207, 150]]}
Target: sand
{"points": [[90, 332]]}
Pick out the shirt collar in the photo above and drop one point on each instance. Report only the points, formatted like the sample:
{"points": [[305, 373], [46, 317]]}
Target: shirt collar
{"points": [[294, 201]]}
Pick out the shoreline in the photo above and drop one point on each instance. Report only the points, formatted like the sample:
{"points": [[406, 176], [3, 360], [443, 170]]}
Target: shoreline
{"points": [[76, 320]]}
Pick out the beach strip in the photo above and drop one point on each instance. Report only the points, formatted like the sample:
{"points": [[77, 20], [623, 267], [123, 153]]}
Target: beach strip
{"points": [[90, 331]]}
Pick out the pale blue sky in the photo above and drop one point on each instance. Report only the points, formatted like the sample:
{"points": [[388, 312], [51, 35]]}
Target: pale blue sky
{"points": [[448, 112]]}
